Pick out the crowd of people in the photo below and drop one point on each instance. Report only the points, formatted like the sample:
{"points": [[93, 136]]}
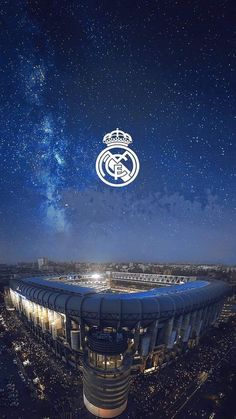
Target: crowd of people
{"points": [[49, 377], [165, 392]]}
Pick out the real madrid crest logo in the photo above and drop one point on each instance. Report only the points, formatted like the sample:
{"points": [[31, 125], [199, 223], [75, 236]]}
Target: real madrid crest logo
{"points": [[117, 165]]}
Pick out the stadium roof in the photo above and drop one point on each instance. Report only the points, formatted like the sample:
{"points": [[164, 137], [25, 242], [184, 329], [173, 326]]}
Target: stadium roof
{"points": [[125, 309]]}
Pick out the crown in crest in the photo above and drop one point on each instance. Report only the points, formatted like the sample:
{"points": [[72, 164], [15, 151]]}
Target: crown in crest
{"points": [[117, 137]]}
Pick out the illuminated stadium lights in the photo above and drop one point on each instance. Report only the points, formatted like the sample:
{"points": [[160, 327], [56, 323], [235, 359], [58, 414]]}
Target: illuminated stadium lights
{"points": [[107, 335], [95, 276]]}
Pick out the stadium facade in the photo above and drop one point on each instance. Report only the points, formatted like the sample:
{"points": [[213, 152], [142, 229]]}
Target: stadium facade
{"points": [[110, 336]]}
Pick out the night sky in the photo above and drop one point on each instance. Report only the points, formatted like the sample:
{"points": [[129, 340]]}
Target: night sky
{"points": [[164, 72]]}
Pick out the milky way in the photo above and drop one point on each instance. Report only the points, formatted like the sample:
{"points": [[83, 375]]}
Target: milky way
{"points": [[161, 71]]}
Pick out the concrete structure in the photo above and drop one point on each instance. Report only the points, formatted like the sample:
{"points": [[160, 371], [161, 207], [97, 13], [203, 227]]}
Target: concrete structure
{"points": [[108, 335], [229, 308], [150, 278]]}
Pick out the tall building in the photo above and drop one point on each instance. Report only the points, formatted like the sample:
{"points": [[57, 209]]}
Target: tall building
{"points": [[42, 262]]}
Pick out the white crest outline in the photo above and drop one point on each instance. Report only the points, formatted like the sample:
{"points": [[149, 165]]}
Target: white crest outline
{"points": [[112, 163]]}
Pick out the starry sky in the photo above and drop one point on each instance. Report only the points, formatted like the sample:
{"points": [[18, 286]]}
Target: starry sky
{"points": [[164, 72]]}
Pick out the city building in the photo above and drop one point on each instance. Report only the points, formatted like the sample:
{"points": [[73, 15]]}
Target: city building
{"points": [[42, 262], [110, 335]]}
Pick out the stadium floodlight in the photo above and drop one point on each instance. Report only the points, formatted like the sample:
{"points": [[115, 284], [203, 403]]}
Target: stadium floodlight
{"points": [[96, 276]]}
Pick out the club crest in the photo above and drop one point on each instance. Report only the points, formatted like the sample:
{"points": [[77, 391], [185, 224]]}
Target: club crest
{"points": [[117, 165]]}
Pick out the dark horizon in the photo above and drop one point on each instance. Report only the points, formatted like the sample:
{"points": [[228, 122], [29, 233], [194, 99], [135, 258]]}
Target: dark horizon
{"points": [[167, 262]]}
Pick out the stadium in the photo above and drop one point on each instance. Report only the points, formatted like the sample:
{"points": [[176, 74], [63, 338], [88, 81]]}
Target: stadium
{"points": [[107, 329]]}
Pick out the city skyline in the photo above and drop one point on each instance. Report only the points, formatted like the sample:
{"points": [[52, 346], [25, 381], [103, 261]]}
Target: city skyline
{"points": [[74, 73]]}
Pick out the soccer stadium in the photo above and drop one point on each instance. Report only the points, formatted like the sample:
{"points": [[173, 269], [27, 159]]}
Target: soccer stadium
{"points": [[118, 324]]}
